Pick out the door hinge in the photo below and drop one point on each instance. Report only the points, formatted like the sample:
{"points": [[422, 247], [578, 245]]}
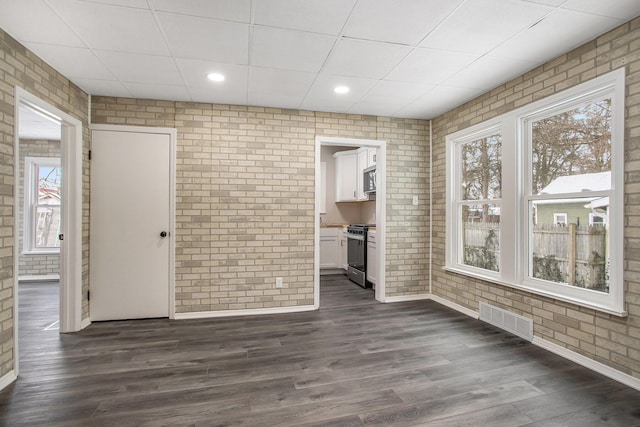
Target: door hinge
{"points": [[89, 154], [88, 295]]}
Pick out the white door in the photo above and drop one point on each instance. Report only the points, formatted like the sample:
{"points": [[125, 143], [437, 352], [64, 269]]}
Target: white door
{"points": [[130, 212]]}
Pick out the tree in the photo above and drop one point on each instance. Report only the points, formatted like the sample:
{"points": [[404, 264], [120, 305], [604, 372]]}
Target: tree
{"points": [[482, 170], [570, 143]]}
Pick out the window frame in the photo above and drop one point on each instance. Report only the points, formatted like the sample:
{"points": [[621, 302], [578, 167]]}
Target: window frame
{"points": [[457, 254], [31, 167], [560, 215], [516, 196]]}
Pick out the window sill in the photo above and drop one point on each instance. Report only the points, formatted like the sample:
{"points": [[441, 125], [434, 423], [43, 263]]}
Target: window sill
{"points": [[28, 253], [536, 291]]}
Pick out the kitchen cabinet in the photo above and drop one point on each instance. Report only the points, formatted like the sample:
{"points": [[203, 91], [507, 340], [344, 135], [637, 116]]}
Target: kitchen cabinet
{"points": [[329, 245], [323, 187], [350, 166], [372, 257], [343, 249], [363, 163], [346, 176], [371, 156]]}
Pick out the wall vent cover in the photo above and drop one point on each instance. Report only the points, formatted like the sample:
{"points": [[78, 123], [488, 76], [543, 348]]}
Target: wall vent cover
{"points": [[510, 322]]}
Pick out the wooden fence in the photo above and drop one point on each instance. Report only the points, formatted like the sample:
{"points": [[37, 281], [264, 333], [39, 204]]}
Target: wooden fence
{"points": [[576, 255]]}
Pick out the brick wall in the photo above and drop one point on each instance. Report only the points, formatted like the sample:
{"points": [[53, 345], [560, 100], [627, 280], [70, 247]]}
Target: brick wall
{"points": [[245, 198], [20, 67], [34, 265], [611, 340]]}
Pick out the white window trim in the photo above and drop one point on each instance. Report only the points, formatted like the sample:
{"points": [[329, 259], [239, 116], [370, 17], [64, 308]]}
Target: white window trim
{"points": [[563, 215], [595, 215], [30, 194], [514, 215]]}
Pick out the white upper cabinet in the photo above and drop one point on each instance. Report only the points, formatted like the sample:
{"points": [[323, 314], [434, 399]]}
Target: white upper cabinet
{"points": [[363, 163], [346, 176], [350, 166], [323, 187], [371, 156]]}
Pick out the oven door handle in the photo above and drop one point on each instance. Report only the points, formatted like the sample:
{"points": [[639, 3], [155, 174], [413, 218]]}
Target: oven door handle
{"points": [[355, 236]]}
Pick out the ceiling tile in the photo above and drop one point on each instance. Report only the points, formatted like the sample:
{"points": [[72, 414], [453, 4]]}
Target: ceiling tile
{"points": [[103, 87], [553, 3], [72, 61], [399, 93], [327, 16], [438, 101], [289, 50], [129, 67], [399, 21], [430, 66], [481, 25], [620, 9], [139, 4], [359, 58], [155, 91], [206, 39], [556, 34], [322, 97], [370, 108], [270, 87], [230, 10], [489, 72], [547, 2], [232, 91], [34, 21], [115, 28], [389, 97], [33, 125]]}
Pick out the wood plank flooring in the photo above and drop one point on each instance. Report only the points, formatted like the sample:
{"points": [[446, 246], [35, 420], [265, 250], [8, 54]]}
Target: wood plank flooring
{"points": [[355, 362]]}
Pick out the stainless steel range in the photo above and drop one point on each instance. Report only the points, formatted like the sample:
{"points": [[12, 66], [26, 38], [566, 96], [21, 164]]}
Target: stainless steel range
{"points": [[357, 253]]}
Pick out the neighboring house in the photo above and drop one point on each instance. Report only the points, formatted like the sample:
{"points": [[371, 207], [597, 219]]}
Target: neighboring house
{"points": [[577, 210]]}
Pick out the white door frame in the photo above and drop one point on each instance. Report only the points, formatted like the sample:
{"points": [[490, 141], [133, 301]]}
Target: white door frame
{"points": [[381, 209], [173, 137], [71, 248]]}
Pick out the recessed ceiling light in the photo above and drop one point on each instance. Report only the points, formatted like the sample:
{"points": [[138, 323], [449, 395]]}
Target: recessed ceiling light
{"points": [[215, 77], [341, 90]]}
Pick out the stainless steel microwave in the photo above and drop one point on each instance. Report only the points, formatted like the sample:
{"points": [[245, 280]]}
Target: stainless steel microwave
{"points": [[369, 180]]}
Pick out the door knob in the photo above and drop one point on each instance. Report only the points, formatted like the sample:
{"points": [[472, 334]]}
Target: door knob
{"points": [[163, 234]]}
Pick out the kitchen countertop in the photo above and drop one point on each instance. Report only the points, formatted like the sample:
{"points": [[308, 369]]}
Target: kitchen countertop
{"points": [[323, 225]]}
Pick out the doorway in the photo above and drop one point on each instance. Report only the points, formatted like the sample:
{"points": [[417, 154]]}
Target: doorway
{"points": [[47, 212], [378, 213]]}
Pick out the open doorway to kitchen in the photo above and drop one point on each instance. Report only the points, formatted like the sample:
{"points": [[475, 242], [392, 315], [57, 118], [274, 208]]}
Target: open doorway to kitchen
{"points": [[48, 230], [344, 198]]}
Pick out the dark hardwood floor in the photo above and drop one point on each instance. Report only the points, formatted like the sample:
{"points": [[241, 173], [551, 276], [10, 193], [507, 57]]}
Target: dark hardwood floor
{"points": [[354, 362]]}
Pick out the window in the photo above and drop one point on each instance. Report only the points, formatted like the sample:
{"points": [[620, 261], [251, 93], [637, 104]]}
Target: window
{"points": [[478, 200], [42, 211], [558, 219], [535, 197], [597, 219]]}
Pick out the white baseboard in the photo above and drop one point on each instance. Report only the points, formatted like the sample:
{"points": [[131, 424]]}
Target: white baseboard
{"points": [[404, 298], [39, 278], [596, 366], [249, 312], [85, 322], [7, 379], [457, 307]]}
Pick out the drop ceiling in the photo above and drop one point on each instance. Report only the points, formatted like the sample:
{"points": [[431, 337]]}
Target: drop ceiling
{"points": [[400, 58]]}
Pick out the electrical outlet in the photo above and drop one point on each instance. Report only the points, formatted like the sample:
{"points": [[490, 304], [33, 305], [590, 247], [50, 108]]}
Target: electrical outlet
{"points": [[278, 282], [415, 201]]}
